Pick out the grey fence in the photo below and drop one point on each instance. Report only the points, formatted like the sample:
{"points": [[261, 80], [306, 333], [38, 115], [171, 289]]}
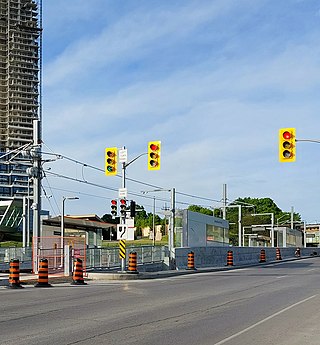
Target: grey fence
{"points": [[23, 254], [108, 258]]}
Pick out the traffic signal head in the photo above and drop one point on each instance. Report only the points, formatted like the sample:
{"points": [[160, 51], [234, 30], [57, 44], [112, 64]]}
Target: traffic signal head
{"points": [[114, 208], [132, 209], [123, 207], [287, 145], [154, 155], [111, 161]]}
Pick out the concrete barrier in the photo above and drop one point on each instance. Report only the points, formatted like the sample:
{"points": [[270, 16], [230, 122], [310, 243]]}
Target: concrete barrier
{"points": [[217, 256]]}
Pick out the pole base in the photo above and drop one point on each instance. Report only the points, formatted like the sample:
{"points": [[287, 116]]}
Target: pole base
{"points": [[78, 282], [15, 286], [42, 285], [132, 272]]}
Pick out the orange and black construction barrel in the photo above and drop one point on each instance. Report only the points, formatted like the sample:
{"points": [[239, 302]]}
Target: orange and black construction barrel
{"points": [[230, 258], [14, 274], [191, 261], [43, 280], [278, 254], [262, 255], [77, 278], [132, 265]]}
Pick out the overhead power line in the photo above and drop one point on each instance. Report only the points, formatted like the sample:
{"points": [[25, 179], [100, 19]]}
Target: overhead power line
{"points": [[60, 156]]}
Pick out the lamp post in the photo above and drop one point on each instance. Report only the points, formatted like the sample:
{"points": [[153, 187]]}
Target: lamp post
{"points": [[272, 223], [153, 222], [64, 198], [172, 219]]}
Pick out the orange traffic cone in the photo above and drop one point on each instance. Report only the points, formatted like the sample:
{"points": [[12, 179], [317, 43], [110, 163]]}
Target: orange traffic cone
{"points": [[77, 278], [14, 274], [230, 258], [43, 274], [132, 266], [278, 254], [191, 261], [262, 256]]}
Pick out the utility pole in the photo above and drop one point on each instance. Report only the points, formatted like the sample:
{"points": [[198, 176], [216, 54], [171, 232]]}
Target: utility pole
{"points": [[36, 156], [171, 221], [224, 201], [153, 222], [123, 217], [172, 225]]}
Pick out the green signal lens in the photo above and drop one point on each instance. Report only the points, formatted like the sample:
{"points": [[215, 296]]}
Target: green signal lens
{"points": [[153, 163], [286, 154], [109, 168]]}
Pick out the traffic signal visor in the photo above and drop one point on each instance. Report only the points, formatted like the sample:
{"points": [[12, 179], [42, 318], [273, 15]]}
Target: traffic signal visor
{"points": [[154, 155], [287, 145], [111, 158]]}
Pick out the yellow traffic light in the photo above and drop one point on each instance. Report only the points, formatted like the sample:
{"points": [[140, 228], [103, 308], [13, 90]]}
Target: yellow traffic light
{"points": [[111, 161], [154, 155], [287, 145]]}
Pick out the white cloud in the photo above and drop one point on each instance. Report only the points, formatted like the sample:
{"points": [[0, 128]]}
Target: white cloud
{"points": [[217, 116]]}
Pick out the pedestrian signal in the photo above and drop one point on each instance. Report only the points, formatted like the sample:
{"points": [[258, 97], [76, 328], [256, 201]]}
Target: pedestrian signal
{"points": [[287, 145], [154, 155]]}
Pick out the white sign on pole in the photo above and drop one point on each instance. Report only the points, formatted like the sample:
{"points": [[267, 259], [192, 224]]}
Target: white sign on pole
{"points": [[123, 155], [130, 229], [122, 232], [123, 193]]}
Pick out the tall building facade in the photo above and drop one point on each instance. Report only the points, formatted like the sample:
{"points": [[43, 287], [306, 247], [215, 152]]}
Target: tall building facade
{"points": [[20, 62]]}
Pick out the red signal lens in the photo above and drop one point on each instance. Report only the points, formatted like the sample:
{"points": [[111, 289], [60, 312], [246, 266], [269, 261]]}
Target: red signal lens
{"points": [[286, 135], [154, 147], [113, 202], [123, 201]]}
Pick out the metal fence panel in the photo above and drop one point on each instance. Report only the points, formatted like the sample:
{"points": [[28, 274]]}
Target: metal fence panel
{"points": [[109, 257]]}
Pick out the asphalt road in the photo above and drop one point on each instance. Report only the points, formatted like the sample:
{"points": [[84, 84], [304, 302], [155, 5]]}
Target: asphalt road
{"points": [[274, 304]]}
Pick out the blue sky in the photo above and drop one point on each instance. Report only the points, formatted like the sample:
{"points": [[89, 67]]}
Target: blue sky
{"points": [[213, 80]]}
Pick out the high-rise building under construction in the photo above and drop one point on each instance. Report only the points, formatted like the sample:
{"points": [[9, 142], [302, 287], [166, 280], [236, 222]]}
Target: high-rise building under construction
{"points": [[20, 62]]}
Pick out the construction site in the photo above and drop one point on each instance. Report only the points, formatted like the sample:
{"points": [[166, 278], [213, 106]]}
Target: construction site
{"points": [[20, 64]]}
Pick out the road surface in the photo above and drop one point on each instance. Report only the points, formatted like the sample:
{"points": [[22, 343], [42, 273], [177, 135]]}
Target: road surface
{"points": [[273, 304]]}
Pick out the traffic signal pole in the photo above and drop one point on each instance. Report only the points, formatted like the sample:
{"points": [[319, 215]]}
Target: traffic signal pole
{"points": [[123, 217], [123, 186], [111, 160]]}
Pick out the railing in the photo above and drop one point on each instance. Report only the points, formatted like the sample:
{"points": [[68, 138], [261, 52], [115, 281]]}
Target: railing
{"points": [[23, 254], [109, 257]]}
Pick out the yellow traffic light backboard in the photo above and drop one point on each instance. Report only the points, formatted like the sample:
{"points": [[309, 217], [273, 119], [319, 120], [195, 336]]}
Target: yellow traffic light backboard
{"points": [[154, 155], [287, 145], [111, 157]]}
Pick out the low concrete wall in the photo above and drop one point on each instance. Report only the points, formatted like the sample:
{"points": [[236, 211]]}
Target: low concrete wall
{"points": [[217, 256]]}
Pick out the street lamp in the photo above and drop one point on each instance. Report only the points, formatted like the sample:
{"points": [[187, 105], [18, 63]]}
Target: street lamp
{"points": [[172, 220], [284, 215], [64, 198], [272, 224]]}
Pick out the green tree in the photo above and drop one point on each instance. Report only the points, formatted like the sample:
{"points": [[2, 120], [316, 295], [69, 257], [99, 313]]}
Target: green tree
{"points": [[253, 206], [200, 209], [108, 219]]}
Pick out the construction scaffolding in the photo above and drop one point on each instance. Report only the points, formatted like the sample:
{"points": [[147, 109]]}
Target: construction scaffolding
{"points": [[20, 55]]}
